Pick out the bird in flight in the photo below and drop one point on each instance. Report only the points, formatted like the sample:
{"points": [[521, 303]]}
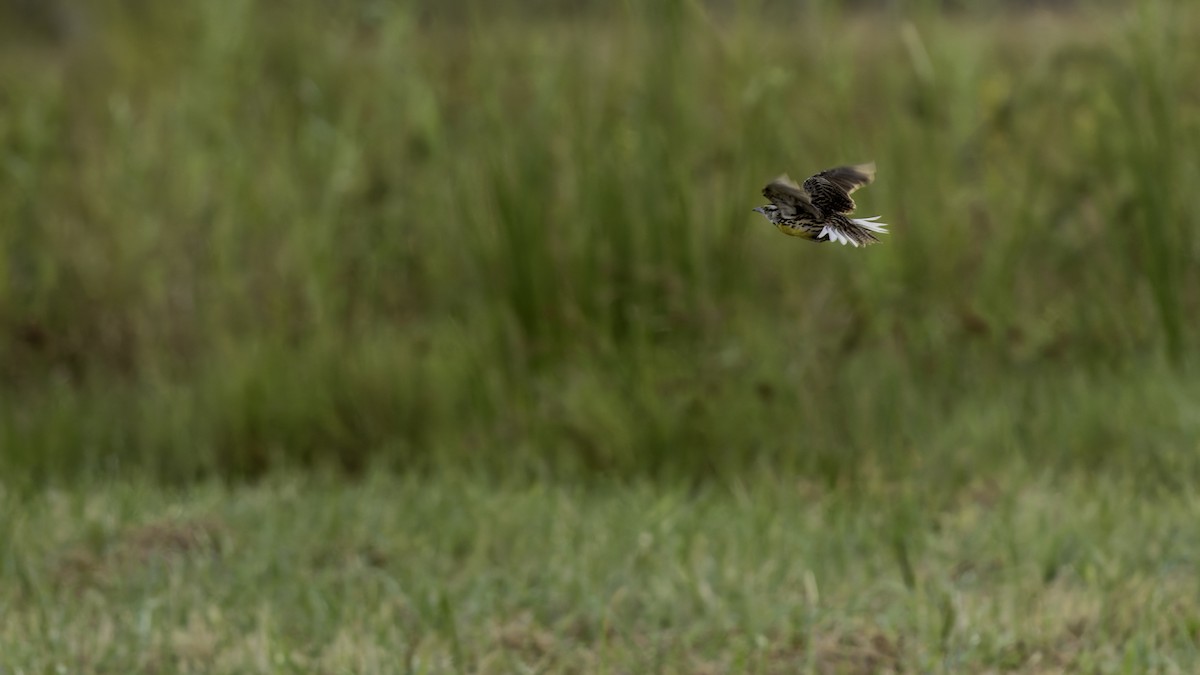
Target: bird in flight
{"points": [[818, 210]]}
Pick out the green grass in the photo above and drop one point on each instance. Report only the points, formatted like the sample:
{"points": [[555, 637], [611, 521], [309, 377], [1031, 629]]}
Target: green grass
{"points": [[365, 334], [237, 239], [447, 574]]}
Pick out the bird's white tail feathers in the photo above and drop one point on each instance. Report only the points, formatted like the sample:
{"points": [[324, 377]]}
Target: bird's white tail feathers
{"points": [[834, 234], [870, 224]]}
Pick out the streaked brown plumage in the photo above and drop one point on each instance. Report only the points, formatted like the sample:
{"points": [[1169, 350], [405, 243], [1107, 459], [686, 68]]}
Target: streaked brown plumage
{"points": [[818, 210]]}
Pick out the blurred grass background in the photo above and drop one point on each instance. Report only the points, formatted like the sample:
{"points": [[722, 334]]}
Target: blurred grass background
{"points": [[517, 239]]}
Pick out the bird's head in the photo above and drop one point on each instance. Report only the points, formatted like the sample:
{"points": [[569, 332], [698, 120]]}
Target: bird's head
{"points": [[770, 211]]}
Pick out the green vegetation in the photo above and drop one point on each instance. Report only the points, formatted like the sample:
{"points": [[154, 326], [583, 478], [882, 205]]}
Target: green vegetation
{"points": [[305, 576], [237, 236], [490, 266]]}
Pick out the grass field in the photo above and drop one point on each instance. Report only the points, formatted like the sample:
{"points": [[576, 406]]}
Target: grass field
{"points": [[429, 576], [373, 336]]}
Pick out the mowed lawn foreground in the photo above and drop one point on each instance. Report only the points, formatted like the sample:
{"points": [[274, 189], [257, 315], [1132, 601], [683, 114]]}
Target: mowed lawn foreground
{"points": [[449, 574]]}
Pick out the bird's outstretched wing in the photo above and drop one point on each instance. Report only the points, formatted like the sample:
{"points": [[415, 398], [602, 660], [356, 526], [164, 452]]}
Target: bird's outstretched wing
{"points": [[792, 201], [829, 191], [850, 178]]}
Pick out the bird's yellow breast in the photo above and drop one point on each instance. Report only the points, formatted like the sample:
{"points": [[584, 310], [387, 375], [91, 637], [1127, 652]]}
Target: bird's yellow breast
{"points": [[798, 231]]}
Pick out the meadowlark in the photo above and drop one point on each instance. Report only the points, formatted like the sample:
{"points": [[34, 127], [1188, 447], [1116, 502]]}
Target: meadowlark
{"points": [[818, 210]]}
